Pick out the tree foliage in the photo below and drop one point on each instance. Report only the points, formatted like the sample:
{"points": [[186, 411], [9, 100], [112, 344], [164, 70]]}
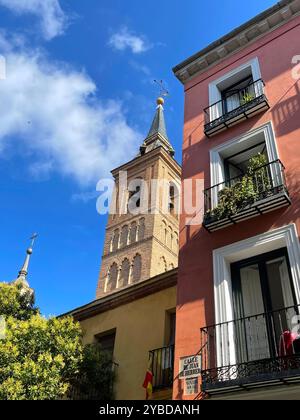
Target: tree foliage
{"points": [[44, 359], [17, 301], [38, 356], [96, 375]]}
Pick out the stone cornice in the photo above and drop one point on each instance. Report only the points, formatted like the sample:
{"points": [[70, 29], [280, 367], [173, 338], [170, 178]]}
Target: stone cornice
{"points": [[148, 157], [238, 39], [130, 246], [124, 296], [126, 248], [151, 211]]}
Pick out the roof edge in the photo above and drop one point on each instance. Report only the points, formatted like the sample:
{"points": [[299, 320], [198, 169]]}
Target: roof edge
{"points": [[221, 42]]}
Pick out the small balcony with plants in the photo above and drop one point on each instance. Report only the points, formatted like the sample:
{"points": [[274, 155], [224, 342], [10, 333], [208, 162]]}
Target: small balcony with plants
{"points": [[239, 103], [258, 190]]}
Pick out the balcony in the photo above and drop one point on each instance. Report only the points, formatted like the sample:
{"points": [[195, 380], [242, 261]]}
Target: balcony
{"points": [[242, 105], [258, 192], [162, 362], [252, 352]]}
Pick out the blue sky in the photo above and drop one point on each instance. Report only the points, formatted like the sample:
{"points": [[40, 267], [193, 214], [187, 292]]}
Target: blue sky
{"points": [[77, 101]]}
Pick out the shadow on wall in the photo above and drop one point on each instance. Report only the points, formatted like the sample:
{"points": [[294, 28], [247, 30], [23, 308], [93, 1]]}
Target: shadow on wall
{"points": [[286, 112], [196, 160], [292, 177], [285, 115], [196, 274], [197, 238]]}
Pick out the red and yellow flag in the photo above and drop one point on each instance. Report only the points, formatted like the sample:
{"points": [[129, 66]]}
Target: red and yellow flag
{"points": [[148, 384]]}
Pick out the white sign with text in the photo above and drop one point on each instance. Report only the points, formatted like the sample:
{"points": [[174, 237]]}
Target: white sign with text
{"points": [[191, 386], [190, 367]]}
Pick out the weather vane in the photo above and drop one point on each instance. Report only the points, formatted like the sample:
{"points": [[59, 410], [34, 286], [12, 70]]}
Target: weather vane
{"points": [[163, 92]]}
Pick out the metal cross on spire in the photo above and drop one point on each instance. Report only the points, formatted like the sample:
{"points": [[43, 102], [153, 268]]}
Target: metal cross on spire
{"points": [[33, 239]]}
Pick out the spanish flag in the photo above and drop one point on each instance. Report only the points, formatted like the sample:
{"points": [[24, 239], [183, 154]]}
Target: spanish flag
{"points": [[148, 384]]}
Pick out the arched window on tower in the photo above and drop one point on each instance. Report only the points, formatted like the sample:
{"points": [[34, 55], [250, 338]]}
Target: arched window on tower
{"points": [[133, 232], [124, 236], [174, 199], [111, 244], [164, 232], [167, 236], [176, 242], [112, 278], [169, 240], [115, 243], [124, 275], [163, 265], [141, 230], [134, 195], [136, 269]]}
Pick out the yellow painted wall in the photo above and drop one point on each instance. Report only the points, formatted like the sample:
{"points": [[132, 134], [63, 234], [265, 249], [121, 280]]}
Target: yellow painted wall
{"points": [[140, 327]]}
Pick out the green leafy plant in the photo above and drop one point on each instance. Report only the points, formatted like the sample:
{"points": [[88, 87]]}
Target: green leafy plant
{"points": [[40, 358], [17, 302], [256, 162], [247, 97], [259, 171], [96, 376], [245, 191]]}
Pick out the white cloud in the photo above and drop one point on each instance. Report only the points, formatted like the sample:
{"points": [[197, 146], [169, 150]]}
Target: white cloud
{"points": [[53, 19], [140, 68], [125, 39], [58, 122]]}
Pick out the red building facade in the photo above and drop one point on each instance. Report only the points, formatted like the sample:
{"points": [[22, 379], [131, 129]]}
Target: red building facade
{"points": [[239, 269]]}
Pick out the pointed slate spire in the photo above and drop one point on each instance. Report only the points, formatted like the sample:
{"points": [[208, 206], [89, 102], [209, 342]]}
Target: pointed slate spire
{"points": [[158, 125], [157, 136]]}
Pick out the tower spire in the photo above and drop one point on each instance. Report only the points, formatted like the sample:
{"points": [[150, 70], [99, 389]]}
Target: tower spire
{"points": [[157, 136], [22, 277], [159, 125]]}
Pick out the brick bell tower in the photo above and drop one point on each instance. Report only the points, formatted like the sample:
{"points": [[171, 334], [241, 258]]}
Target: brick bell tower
{"points": [[143, 242]]}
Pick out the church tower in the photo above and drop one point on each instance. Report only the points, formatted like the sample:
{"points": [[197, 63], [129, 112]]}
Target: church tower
{"points": [[142, 233]]}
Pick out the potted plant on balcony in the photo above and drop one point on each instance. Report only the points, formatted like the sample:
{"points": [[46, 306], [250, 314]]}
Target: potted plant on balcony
{"points": [[244, 192], [258, 170], [246, 98]]}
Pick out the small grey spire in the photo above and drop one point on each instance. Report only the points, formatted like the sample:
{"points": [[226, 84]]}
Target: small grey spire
{"points": [[22, 277], [157, 136], [158, 125]]}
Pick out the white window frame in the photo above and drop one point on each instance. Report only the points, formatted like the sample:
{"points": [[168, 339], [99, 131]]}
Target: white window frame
{"points": [[285, 236], [215, 94], [217, 174]]}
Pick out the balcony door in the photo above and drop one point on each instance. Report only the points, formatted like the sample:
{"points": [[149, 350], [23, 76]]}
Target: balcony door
{"points": [[264, 304], [237, 94]]}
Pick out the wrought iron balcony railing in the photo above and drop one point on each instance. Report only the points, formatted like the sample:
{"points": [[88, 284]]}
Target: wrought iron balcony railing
{"points": [[257, 350], [162, 362], [241, 105], [245, 196]]}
